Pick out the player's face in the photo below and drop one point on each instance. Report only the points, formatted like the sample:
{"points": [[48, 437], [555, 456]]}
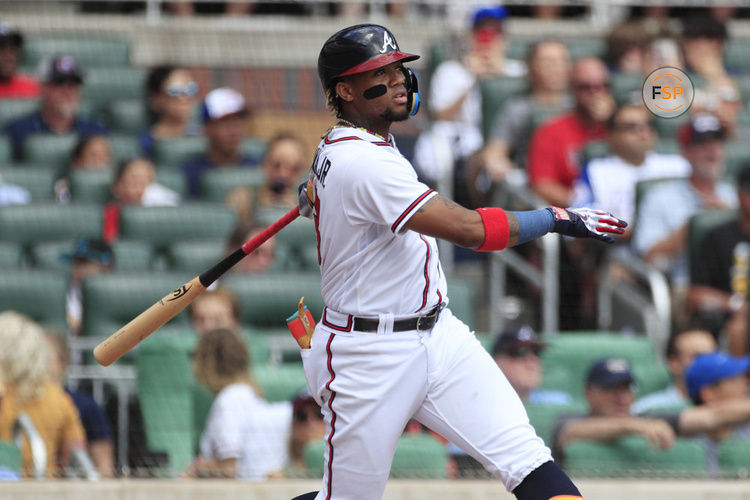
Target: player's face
{"points": [[391, 106]]}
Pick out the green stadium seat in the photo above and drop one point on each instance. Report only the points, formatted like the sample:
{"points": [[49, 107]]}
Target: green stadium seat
{"points": [[102, 85], [49, 149], [667, 128], [111, 300], [626, 85], [195, 256], [88, 50], [91, 186], [667, 146], [462, 300], [734, 457], [40, 294], [298, 236], [268, 299], [543, 417], [11, 109], [631, 456], [417, 456], [6, 152], [11, 254], [37, 222], [124, 146], [738, 157], [129, 255], [495, 92], [163, 226], [573, 353], [39, 182], [175, 152], [174, 179], [280, 382], [254, 148], [215, 184], [10, 456], [128, 116], [737, 55], [585, 47]]}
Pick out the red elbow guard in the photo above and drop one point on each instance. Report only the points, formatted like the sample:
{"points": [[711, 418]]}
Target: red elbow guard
{"points": [[496, 229]]}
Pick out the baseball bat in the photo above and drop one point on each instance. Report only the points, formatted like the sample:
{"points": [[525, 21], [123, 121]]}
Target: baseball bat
{"points": [[143, 325]]}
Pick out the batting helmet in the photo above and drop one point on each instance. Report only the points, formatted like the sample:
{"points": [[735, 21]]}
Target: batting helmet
{"points": [[357, 49]]}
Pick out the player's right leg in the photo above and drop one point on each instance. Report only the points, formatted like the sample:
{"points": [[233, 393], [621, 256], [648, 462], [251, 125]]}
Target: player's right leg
{"points": [[369, 385]]}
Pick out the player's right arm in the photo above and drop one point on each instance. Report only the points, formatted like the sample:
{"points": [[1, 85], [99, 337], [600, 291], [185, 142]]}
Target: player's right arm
{"points": [[488, 229]]}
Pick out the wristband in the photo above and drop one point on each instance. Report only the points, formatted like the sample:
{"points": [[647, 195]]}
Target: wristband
{"points": [[496, 229]]}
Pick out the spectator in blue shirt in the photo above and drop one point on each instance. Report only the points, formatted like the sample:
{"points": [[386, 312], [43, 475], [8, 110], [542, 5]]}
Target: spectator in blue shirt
{"points": [[224, 115], [58, 106]]}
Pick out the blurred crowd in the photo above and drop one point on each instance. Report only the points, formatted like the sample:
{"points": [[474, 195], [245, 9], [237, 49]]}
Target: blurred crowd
{"points": [[572, 131]]}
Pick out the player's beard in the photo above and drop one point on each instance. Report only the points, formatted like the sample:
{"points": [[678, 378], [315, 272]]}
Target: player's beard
{"points": [[395, 116]]}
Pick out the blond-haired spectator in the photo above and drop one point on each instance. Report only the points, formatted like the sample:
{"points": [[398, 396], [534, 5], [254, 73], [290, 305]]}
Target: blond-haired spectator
{"points": [[25, 360]]}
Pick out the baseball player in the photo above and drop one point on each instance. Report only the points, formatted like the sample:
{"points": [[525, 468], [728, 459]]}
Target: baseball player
{"points": [[387, 349]]}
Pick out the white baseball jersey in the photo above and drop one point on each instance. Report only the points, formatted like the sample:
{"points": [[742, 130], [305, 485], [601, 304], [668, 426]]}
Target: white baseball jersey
{"points": [[365, 192]]}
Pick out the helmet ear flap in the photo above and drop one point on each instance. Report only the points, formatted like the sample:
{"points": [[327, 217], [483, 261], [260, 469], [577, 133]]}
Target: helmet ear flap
{"points": [[412, 90]]}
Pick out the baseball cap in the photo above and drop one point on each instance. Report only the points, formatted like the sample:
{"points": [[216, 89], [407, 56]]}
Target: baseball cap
{"points": [[10, 35], [708, 369], [303, 399], [60, 69], [700, 128], [609, 373], [92, 250], [516, 337], [221, 103], [482, 15]]}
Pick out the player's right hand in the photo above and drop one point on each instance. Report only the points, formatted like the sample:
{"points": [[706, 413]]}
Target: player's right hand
{"points": [[587, 223], [305, 199]]}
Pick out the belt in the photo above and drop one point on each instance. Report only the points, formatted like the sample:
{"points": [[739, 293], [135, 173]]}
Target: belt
{"points": [[420, 323]]}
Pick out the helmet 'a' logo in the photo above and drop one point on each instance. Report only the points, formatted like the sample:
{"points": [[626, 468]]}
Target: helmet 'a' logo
{"points": [[388, 42]]}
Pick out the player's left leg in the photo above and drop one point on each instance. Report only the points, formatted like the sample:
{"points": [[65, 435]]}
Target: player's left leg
{"points": [[471, 403]]}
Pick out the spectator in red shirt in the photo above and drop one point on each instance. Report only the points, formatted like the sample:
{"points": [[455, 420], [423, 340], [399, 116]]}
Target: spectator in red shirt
{"points": [[555, 146], [14, 85]]}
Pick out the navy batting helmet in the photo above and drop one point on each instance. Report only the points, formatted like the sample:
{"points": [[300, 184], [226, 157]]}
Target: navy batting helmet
{"points": [[357, 49]]}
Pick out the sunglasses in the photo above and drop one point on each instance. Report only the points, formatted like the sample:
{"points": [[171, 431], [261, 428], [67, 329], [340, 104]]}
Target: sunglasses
{"points": [[188, 89], [307, 415], [524, 352]]}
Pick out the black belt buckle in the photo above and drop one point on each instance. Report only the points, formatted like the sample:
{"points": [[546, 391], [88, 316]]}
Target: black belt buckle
{"points": [[428, 320]]}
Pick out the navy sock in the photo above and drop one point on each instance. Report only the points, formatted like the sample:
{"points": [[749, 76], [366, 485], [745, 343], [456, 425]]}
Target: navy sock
{"points": [[545, 482], [306, 496]]}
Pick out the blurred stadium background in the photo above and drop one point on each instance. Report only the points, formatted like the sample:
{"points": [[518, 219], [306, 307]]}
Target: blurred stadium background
{"points": [[269, 56]]}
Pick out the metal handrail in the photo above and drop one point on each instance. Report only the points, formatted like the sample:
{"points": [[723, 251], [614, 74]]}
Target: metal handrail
{"points": [[546, 279], [655, 307], [24, 425]]}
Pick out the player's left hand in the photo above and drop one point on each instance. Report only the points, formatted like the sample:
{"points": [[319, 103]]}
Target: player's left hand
{"points": [[587, 223], [305, 199]]}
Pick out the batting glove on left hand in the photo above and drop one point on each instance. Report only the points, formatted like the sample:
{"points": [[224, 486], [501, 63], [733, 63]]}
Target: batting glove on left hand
{"points": [[304, 199], [587, 223]]}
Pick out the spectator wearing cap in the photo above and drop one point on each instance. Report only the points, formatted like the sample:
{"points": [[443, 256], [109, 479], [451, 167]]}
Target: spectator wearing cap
{"points": [[609, 394], [608, 183], [307, 426], [719, 274], [14, 85], [455, 100], [172, 93], [719, 381], [663, 215], [224, 114], [90, 257], [516, 351], [58, 106], [703, 39]]}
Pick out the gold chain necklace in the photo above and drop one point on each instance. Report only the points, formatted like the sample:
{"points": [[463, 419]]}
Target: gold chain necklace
{"points": [[346, 123]]}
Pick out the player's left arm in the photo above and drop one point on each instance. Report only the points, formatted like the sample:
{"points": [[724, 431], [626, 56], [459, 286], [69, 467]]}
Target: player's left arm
{"points": [[487, 229]]}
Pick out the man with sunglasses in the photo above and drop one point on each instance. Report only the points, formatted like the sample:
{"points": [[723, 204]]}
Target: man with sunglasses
{"points": [[59, 103], [516, 351], [608, 183]]}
